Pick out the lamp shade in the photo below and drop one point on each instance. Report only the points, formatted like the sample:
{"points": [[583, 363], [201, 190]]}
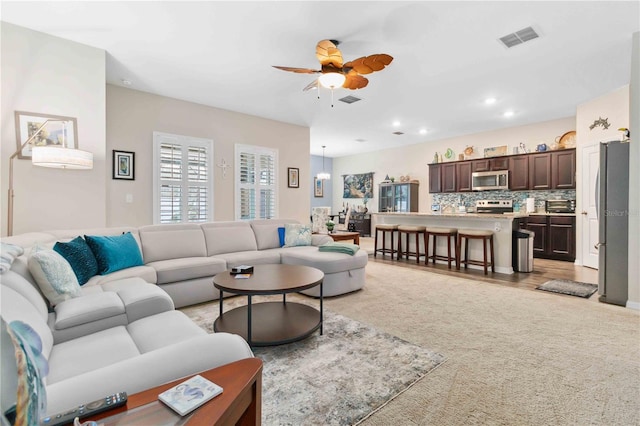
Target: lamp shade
{"points": [[323, 176], [332, 80], [61, 158]]}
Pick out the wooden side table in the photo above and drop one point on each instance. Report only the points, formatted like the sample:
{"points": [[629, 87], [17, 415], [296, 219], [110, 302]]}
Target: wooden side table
{"points": [[240, 403], [345, 236]]}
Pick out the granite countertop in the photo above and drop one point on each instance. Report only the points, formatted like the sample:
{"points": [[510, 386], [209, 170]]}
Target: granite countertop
{"points": [[474, 215]]}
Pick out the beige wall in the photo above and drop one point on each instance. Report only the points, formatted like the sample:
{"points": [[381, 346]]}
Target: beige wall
{"points": [[49, 75], [413, 160], [133, 116]]}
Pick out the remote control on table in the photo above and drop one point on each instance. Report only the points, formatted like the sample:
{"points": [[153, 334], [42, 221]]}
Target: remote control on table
{"points": [[85, 410]]}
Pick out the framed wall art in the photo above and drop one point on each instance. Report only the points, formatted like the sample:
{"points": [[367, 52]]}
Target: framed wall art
{"points": [[58, 131], [294, 177], [124, 165], [358, 186], [318, 187]]}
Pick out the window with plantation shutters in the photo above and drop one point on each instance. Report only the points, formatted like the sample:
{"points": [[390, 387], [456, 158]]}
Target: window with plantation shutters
{"points": [[183, 179], [256, 182]]}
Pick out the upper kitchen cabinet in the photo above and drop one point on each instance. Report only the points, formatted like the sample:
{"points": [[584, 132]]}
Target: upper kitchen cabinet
{"points": [[463, 178], [435, 178], [490, 164], [563, 169], [449, 177], [519, 172], [540, 171]]}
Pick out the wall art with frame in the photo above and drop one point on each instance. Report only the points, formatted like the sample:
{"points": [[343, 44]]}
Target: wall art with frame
{"points": [[124, 165], [58, 131], [293, 177], [358, 186], [318, 187]]}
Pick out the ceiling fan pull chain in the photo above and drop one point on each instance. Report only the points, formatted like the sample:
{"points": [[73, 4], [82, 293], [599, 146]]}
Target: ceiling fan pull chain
{"points": [[318, 81], [332, 97]]}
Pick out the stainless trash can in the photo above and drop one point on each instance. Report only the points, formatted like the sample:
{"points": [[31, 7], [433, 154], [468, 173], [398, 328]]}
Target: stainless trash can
{"points": [[523, 250]]}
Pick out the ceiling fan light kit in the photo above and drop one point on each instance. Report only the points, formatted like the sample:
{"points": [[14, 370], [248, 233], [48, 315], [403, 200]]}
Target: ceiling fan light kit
{"points": [[335, 73]]}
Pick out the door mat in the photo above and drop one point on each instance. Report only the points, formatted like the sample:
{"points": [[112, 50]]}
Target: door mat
{"points": [[572, 288], [339, 378]]}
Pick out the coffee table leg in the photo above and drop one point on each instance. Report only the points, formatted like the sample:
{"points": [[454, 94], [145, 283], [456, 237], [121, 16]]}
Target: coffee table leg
{"points": [[249, 321], [321, 319], [220, 303], [284, 298]]}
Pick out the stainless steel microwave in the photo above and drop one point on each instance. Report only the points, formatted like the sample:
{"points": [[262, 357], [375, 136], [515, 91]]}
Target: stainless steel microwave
{"points": [[488, 181]]}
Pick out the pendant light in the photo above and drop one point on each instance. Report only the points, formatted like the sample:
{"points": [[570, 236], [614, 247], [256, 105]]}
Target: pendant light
{"points": [[323, 175]]}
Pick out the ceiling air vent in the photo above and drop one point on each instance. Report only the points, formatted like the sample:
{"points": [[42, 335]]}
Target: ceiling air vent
{"points": [[349, 99], [398, 133], [519, 37], [361, 140]]}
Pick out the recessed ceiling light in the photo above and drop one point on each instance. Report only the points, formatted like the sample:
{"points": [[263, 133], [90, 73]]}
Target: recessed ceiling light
{"points": [[490, 101], [423, 131], [508, 113], [396, 123], [361, 140]]}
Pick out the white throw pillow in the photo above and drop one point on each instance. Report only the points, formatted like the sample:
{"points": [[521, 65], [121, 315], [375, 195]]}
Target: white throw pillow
{"points": [[296, 234], [54, 275]]}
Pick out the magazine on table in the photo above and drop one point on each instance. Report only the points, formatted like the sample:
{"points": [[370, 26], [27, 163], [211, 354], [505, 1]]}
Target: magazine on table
{"points": [[190, 394]]}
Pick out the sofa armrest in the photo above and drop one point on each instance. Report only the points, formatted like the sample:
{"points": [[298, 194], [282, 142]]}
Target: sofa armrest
{"points": [[142, 301], [148, 370], [86, 309], [319, 239]]}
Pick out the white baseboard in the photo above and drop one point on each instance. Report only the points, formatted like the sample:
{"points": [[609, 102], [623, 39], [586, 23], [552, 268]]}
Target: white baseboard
{"points": [[633, 305]]}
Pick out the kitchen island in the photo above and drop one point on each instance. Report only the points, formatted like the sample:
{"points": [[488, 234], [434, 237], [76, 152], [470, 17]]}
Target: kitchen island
{"points": [[501, 225]]}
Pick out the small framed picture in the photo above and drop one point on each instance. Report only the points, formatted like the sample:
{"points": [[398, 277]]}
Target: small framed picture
{"points": [[124, 165], [52, 130], [294, 177], [318, 187]]}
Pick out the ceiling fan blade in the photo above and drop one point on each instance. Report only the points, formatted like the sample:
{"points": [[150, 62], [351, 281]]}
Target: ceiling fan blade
{"points": [[312, 85], [354, 81], [369, 64], [329, 54], [298, 70]]}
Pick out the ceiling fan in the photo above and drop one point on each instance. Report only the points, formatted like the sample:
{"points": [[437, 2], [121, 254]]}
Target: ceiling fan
{"points": [[335, 73]]}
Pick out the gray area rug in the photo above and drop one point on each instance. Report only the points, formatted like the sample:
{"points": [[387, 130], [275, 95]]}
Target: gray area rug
{"points": [[338, 378], [572, 288]]}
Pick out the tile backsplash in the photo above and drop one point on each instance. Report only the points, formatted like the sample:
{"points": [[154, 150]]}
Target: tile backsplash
{"points": [[469, 199]]}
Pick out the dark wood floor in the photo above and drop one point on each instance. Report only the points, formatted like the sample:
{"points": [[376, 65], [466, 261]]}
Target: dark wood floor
{"points": [[543, 270]]}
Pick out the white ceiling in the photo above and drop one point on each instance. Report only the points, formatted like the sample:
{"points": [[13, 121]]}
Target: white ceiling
{"points": [[447, 59]]}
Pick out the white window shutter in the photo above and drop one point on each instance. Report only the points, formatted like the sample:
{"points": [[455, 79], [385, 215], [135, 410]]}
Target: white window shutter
{"points": [[256, 171]]}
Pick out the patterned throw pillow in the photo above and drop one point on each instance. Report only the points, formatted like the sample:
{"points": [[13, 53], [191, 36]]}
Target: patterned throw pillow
{"points": [[8, 253], [80, 257], [114, 253], [297, 235], [54, 275]]}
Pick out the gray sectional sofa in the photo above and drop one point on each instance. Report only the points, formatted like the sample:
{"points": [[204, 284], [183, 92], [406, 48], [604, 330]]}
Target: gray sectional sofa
{"points": [[123, 332]]}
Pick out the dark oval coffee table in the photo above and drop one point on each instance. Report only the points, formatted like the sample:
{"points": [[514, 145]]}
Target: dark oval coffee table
{"points": [[270, 323]]}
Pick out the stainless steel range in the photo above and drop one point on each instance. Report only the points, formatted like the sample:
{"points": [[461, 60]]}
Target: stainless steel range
{"points": [[494, 206]]}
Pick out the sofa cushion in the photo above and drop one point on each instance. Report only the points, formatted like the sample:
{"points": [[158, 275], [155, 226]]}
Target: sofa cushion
{"points": [[54, 275], [80, 257], [327, 262], [296, 234], [228, 237], [182, 269], [86, 309], [266, 232], [114, 253], [145, 272], [163, 329], [8, 253], [262, 257], [140, 299], [91, 352], [175, 241]]}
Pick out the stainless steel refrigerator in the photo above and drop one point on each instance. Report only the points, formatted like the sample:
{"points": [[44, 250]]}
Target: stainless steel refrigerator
{"points": [[613, 220]]}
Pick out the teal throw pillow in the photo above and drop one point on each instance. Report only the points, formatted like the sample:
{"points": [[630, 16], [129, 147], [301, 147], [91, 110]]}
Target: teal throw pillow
{"points": [[281, 235], [114, 253], [297, 235], [80, 257], [53, 274]]}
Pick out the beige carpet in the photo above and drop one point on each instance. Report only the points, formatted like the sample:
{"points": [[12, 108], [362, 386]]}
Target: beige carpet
{"points": [[515, 357]]}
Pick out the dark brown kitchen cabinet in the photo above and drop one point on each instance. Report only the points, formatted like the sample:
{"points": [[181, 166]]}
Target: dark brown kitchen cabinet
{"points": [[555, 237], [449, 177], [518, 172], [463, 176], [563, 169], [435, 178], [489, 164], [480, 165], [540, 171]]}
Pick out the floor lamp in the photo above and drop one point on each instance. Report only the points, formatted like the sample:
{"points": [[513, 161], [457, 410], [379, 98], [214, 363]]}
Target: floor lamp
{"points": [[59, 157]]}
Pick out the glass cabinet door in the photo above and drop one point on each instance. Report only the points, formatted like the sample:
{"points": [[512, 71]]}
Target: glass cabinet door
{"points": [[401, 198], [386, 198]]}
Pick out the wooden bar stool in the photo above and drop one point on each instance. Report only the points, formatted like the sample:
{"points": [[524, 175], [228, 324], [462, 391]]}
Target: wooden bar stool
{"points": [[441, 232], [409, 230], [475, 234], [384, 229]]}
